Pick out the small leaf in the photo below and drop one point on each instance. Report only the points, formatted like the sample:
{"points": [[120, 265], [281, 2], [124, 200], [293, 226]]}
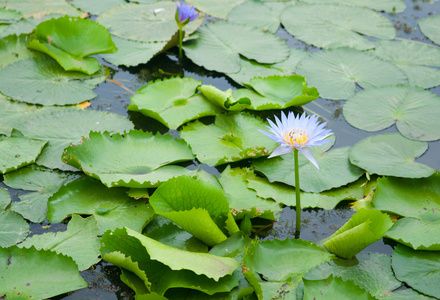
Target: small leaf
{"points": [[13, 229], [430, 27]]}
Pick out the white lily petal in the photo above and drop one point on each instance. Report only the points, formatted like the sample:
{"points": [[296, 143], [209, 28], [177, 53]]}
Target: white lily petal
{"points": [[307, 152], [280, 150]]}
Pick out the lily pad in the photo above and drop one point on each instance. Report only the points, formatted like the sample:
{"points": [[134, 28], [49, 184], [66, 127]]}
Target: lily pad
{"points": [[39, 8], [430, 27], [172, 101], [13, 48], [256, 14], [112, 207], [26, 26], [5, 198], [62, 126], [233, 137], [131, 21], [416, 60], [136, 159], [9, 16], [389, 6], [79, 241], [52, 274], [346, 68], [332, 26], [414, 110], [215, 8], [364, 228], [13, 229], [335, 169], [390, 155], [96, 8], [418, 269], [17, 152], [408, 197], [217, 50], [70, 41], [196, 206]]}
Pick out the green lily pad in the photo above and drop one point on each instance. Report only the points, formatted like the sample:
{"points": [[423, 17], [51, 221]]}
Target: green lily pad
{"points": [[408, 197], [419, 234], [46, 83], [160, 267], [332, 26], [390, 155], [79, 241], [418, 269], [242, 200], [70, 41], [335, 169], [233, 137], [430, 27], [112, 207], [60, 127], [389, 6], [136, 159], [39, 8], [131, 21], [42, 182], [8, 16], [198, 207], [52, 274], [13, 229], [172, 101], [333, 288], [96, 8], [416, 60], [216, 49], [346, 68], [17, 152], [215, 8], [414, 110], [26, 26], [5, 198], [13, 48], [256, 14], [364, 228]]}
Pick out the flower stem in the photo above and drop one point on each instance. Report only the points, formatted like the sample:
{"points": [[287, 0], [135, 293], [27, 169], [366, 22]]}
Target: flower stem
{"points": [[298, 199], [180, 42]]}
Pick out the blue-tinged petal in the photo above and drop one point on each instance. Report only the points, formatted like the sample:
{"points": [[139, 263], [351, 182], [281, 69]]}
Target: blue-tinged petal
{"points": [[271, 136], [280, 150], [307, 152]]}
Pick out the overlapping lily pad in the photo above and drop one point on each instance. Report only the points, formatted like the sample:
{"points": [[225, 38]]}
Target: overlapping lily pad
{"points": [[336, 72], [96, 8], [391, 155], [71, 41], [216, 49], [136, 159], [333, 26], [5, 198], [25, 26], [13, 228], [233, 137], [390, 6], [334, 288], [430, 27], [13, 48], [215, 8], [39, 8], [256, 14]]}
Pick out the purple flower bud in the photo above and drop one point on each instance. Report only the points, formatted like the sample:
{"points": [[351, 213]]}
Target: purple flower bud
{"points": [[185, 14]]}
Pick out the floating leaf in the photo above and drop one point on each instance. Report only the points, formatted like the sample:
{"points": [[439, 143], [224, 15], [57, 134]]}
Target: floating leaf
{"points": [[131, 21], [430, 27], [364, 228], [344, 69], [414, 110], [39, 8], [26, 26], [418, 269], [335, 169], [333, 26], [45, 83], [13, 229], [137, 159], [13, 48], [70, 41], [50, 275], [5, 198], [96, 8], [63, 126], [9, 16], [233, 137], [216, 49], [79, 241], [17, 152], [112, 207], [215, 8], [198, 207], [389, 6], [390, 155], [256, 14], [172, 101], [408, 197], [414, 59]]}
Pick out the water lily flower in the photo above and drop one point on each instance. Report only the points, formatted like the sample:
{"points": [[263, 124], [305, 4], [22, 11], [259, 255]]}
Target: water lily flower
{"points": [[185, 14], [300, 133]]}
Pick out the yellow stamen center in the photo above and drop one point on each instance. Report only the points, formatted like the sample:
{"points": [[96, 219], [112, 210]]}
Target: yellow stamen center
{"points": [[296, 137]]}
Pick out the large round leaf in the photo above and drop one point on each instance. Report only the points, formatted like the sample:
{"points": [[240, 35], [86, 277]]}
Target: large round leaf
{"points": [[217, 49], [391, 155], [144, 22], [233, 137], [336, 72], [334, 288], [137, 159], [430, 26], [96, 7], [256, 14], [39, 8], [70, 41], [43, 81], [13, 228], [333, 26], [414, 110]]}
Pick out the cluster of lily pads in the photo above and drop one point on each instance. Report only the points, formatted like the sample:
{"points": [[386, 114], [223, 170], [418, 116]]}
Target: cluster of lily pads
{"points": [[133, 197]]}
